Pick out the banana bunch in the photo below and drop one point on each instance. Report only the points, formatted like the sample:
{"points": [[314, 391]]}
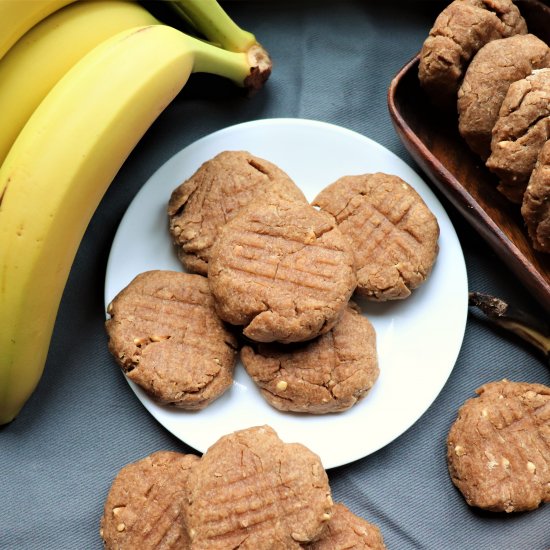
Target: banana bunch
{"points": [[102, 72], [18, 16]]}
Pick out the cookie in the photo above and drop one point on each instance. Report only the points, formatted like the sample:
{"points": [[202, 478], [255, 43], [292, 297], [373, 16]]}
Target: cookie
{"points": [[144, 505], [347, 531], [498, 448], [459, 31], [213, 195], [164, 333], [282, 270], [252, 491], [328, 374], [488, 77], [393, 234], [535, 208], [522, 128]]}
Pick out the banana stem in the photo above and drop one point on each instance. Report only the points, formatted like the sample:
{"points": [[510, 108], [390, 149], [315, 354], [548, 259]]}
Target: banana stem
{"points": [[209, 18], [530, 329], [246, 69]]}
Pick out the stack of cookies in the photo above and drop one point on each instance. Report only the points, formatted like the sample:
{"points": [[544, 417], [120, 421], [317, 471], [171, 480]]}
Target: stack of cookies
{"points": [[480, 60], [250, 490], [272, 274]]}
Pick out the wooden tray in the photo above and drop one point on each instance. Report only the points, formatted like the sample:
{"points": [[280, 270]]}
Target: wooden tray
{"points": [[435, 144]]}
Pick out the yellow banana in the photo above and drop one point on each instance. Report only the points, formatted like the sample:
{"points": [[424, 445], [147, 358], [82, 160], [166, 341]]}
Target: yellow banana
{"points": [[210, 19], [45, 53], [59, 168], [18, 16]]}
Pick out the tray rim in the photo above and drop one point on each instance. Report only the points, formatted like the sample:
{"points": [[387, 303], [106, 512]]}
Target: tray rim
{"points": [[461, 199]]}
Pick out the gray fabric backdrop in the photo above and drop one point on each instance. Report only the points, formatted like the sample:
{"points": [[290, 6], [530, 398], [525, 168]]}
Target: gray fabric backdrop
{"points": [[333, 62]]}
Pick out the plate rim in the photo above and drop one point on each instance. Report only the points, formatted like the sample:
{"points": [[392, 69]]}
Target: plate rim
{"points": [[173, 160]]}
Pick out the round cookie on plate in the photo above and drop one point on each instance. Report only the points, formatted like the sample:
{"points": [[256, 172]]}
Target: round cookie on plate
{"points": [[347, 531], [252, 491], [144, 505], [165, 335], [393, 233], [498, 447], [328, 374], [535, 208], [283, 270], [213, 195], [459, 31]]}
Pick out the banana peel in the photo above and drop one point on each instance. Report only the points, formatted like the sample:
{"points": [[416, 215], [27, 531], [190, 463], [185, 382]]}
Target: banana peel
{"points": [[532, 330]]}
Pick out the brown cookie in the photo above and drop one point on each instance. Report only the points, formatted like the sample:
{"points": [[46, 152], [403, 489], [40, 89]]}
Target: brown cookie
{"points": [[165, 334], [459, 31], [213, 195], [144, 506], [498, 449], [252, 491], [536, 202], [283, 270], [392, 232], [522, 128], [328, 374], [488, 77], [346, 531]]}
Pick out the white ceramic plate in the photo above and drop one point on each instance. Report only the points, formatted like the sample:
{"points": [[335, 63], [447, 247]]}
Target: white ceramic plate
{"points": [[418, 339]]}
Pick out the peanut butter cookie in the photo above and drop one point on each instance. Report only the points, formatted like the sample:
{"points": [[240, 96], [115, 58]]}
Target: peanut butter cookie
{"points": [[252, 491], [144, 506], [283, 270], [536, 202], [459, 31], [328, 374], [522, 128], [498, 448], [391, 230], [165, 334], [213, 195], [488, 77], [346, 531]]}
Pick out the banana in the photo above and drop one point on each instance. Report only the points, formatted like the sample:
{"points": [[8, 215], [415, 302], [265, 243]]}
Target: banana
{"points": [[61, 164], [210, 19], [18, 16], [45, 53]]}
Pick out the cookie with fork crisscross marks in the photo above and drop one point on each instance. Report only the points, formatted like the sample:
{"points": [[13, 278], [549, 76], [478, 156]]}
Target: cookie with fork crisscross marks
{"points": [[393, 233], [167, 338], [143, 508], [328, 374], [214, 195], [498, 448], [346, 531], [252, 491], [283, 270]]}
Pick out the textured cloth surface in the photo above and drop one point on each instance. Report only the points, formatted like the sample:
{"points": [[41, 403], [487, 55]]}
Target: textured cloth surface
{"points": [[333, 61]]}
